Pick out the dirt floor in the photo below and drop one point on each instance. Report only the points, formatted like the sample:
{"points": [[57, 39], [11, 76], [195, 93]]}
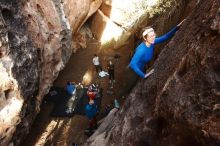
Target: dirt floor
{"points": [[66, 131]]}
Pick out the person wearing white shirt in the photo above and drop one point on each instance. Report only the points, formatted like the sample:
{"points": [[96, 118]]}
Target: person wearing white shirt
{"points": [[96, 63]]}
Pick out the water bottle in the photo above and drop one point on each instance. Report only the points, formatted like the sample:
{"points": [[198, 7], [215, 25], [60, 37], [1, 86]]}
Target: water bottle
{"points": [[116, 103]]}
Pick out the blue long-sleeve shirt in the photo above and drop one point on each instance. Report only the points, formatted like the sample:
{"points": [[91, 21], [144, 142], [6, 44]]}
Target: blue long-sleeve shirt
{"points": [[144, 54]]}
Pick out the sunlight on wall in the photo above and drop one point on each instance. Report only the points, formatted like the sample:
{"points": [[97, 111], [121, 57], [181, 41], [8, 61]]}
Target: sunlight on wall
{"points": [[131, 10], [9, 114], [87, 78], [50, 131], [152, 3], [111, 32], [4, 76], [11, 110]]}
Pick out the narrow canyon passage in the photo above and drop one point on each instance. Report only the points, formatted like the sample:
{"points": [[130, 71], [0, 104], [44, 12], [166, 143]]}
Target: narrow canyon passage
{"points": [[47, 130], [44, 44]]}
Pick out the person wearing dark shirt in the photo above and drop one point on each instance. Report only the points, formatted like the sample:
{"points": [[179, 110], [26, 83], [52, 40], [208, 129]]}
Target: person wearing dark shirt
{"points": [[111, 72]]}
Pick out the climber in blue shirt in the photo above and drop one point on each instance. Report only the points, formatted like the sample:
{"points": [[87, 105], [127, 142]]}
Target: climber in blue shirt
{"points": [[144, 52]]}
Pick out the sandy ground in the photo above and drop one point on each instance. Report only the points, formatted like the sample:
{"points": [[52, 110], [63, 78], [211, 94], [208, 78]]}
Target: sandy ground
{"points": [[65, 131]]}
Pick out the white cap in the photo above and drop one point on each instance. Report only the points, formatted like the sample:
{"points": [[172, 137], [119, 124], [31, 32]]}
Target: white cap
{"points": [[147, 31]]}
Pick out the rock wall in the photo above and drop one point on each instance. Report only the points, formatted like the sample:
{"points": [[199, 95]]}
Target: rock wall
{"points": [[179, 103], [35, 44], [77, 12], [20, 72]]}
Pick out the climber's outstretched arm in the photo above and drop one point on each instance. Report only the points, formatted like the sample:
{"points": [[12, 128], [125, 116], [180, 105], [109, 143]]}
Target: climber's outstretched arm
{"points": [[166, 36], [169, 34]]}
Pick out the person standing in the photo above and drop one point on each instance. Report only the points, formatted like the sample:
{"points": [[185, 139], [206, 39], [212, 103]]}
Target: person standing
{"points": [[96, 63], [91, 114], [111, 72]]}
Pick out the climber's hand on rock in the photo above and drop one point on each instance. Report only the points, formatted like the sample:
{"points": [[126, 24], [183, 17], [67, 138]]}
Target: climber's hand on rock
{"points": [[149, 73], [179, 25]]}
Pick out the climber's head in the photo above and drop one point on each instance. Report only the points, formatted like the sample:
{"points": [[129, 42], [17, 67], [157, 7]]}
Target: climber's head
{"points": [[149, 35]]}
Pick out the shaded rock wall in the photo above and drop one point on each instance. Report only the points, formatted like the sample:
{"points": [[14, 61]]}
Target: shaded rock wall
{"points": [[36, 39], [179, 103]]}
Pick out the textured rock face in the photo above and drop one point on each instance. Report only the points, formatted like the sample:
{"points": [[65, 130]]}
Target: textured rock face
{"points": [[50, 37], [35, 44], [19, 71], [82, 10], [77, 12], [179, 103]]}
